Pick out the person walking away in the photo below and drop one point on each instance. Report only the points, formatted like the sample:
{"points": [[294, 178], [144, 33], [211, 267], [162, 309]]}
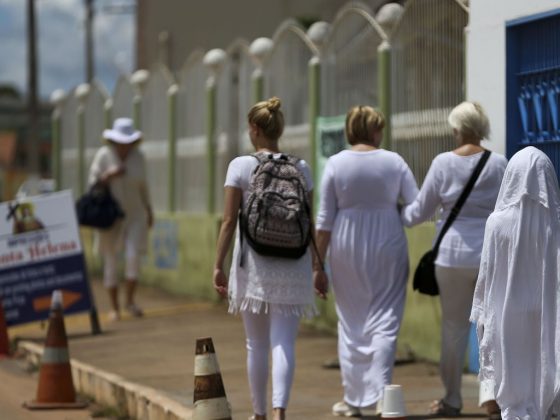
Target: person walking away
{"points": [[459, 252], [358, 221], [270, 292], [120, 164], [516, 307]]}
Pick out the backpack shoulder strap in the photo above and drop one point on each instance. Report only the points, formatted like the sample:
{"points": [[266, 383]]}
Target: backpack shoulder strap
{"points": [[262, 156]]}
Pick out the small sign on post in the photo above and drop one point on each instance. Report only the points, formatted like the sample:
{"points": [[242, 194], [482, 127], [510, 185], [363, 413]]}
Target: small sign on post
{"points": [[41, 251]]}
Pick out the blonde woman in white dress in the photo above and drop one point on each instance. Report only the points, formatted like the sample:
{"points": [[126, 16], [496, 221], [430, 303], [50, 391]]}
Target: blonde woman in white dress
{"points": [[359, 222]]}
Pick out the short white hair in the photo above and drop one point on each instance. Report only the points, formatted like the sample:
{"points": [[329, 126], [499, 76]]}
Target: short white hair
{"points": [[470, 120]]}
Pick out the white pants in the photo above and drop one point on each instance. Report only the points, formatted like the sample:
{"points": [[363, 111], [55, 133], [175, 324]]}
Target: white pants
{"points": [[266, 332], [110, 264], [456, 290]]}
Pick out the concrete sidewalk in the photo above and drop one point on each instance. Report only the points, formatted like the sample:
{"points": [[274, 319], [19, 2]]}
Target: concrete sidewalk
{"points": [[156, 354]]}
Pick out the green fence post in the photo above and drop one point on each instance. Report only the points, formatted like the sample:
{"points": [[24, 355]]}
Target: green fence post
{"points": [[57, 99], [259, 50], [210, 143], [214, 61], [56, 149], [82, 93], [108, 113], [314, 110], [384, 86], [172, 152], [138, 79], [258, 85]]}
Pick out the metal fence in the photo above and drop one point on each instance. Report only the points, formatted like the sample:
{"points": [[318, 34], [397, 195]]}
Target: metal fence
{"points": [[286, 76], [426, 80], [123, 98], [428, 74], [191, 185], [154, 122], [349, 61], [69, 144], [232, 104]]}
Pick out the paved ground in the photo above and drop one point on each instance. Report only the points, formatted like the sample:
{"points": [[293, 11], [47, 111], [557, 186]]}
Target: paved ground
{"points": [[18, 385], [158, 351]]}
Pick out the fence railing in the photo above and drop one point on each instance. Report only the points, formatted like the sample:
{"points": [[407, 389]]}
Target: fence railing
{"points": [[194, 122]]}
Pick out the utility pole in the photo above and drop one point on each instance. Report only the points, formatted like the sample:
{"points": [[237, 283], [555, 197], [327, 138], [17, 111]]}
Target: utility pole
{"points": [[90, 66], [33, 142], [89, 36]]}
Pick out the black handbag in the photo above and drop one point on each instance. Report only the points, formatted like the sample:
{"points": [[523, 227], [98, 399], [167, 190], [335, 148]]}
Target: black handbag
{"points": [[98, 208], [425, 275]]}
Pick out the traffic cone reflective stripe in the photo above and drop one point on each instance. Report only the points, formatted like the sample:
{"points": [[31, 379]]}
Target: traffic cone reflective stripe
{"points": [[210, 402], [4, 341], [56, 388]]}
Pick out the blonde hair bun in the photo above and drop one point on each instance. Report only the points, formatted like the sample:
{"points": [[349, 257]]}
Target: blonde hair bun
{"points": [[273, 104]]}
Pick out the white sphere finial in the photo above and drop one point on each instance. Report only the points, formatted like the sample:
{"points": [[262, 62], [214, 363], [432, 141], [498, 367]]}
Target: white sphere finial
{"points": [[82, 91], [215, 59], [259, 49], [58, 97], [389, 15], [139, 78], [318, 33]]}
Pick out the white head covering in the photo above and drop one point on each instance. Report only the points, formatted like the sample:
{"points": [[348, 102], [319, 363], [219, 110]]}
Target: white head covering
{"points": [[517, 298], [123, 132]]}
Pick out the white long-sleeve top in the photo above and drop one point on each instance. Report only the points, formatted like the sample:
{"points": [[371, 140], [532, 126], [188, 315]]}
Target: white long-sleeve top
{"points": [[130, 190], [449, 173]]}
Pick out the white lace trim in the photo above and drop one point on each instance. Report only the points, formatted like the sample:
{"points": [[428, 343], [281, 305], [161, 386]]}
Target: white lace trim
{"points": [[258, 306]]}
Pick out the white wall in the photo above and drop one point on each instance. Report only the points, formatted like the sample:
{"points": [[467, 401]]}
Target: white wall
{"points": [[486, 56]]}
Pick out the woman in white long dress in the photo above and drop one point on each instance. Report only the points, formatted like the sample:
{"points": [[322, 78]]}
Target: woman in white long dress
{"points": [[459, 253], [359, 221], [517, 297], [271, 293], [121, 165]]}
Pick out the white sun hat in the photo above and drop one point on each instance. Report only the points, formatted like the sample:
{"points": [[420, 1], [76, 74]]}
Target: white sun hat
{"points": [[123, 132]]}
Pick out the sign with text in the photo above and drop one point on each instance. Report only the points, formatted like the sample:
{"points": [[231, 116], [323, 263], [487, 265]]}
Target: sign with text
{"points": [[330, 139], [40, 251]]}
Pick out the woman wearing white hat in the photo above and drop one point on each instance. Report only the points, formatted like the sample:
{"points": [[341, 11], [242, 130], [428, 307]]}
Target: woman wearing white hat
{"points": [[121, 165]]}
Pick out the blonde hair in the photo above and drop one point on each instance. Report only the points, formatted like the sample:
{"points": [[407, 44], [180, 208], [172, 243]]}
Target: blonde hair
{"points": [[362, 122], [470, 120], [267, 116]]}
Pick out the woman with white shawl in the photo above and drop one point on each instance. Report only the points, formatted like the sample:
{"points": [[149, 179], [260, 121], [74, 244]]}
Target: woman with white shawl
{"points": [[516, 301]]}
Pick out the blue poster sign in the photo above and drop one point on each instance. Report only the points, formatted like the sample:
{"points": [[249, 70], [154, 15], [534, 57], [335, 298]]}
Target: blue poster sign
{"points": [[41, 251]]}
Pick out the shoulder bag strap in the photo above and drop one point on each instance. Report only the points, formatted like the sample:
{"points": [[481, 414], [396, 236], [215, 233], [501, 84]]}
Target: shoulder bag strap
{"points": [[463, 197]]}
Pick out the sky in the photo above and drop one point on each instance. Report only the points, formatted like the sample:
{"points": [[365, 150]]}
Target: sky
{"points": [[60, 43]]}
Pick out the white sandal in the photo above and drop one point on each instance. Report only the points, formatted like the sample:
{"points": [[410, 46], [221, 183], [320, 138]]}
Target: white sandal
{"points": [[343, 409]]}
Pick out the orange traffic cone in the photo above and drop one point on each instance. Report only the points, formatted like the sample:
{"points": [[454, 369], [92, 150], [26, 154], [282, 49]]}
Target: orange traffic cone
{"points": [[4, 341], [210, 402], [56, 389]]}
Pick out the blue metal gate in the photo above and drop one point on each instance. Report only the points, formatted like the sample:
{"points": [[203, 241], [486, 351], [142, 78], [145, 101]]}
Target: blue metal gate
{"points": [[533, 84]]}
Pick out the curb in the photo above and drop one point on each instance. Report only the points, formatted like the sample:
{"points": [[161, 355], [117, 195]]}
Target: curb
{"points": [[137, 401]]}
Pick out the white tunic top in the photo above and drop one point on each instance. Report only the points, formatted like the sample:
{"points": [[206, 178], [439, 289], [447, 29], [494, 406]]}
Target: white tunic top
{"points": [[130, 190], [444, 183], [369, 263], [516, 300], [286, 283]]}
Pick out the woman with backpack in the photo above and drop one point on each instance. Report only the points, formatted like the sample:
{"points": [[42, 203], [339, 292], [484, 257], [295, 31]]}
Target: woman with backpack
{"points": [[269, 285], [359, 221]]}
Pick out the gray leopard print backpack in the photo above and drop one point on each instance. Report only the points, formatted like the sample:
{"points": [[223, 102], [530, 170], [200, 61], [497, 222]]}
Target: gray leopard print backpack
{"points": [[276, 219]]}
